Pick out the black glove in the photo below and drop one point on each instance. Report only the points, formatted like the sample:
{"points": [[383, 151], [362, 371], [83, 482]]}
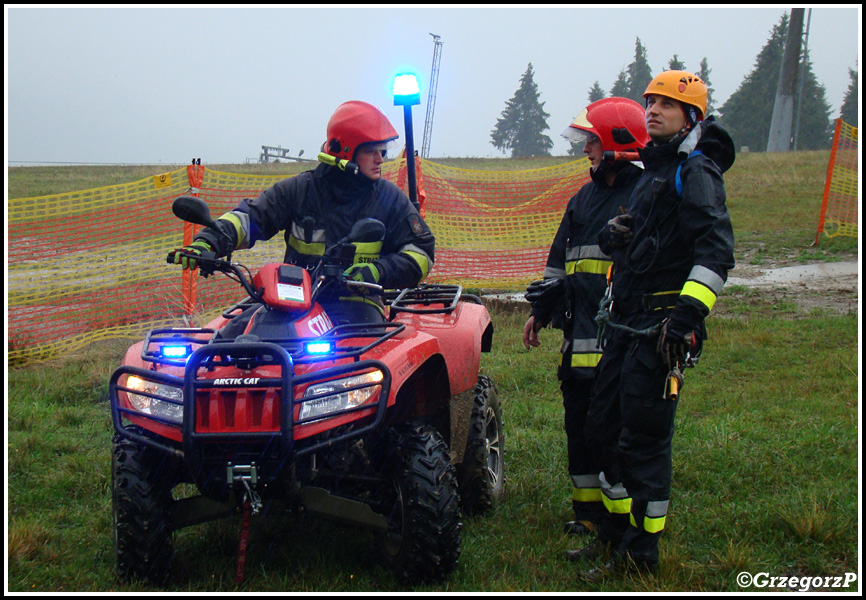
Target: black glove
{"points": [[676, 340], [618, 232], [178, 255], [549, 301]]}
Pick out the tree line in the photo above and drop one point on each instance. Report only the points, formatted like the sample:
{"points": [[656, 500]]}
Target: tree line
{"points": [[746, 114]]}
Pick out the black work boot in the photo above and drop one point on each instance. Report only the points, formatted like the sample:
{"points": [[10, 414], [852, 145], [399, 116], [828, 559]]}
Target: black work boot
{"points": [[580, 527], [593, 550], [619, 565]]}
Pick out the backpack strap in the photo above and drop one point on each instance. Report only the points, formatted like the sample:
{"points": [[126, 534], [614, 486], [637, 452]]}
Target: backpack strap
{"points": [[679, 179]]}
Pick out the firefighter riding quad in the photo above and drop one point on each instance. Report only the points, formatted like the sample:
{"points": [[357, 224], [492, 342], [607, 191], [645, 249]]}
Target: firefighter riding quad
{"points": [[388, 426]]}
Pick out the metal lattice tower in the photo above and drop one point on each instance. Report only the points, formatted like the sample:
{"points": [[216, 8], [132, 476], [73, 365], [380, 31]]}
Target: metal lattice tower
{"points": [[431, 96]]}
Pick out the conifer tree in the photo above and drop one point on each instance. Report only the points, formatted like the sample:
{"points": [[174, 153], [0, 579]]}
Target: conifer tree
{"points": [[620, 86], [639, 74], [521, 125], [748, 113], [595, 93], [704, 74], [675, 64], [849, 111]]}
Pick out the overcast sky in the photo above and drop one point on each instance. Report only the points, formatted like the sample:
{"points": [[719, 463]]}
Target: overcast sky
{"points": [[160, 85]]}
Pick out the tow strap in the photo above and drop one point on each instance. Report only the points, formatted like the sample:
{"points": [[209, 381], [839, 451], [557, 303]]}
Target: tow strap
{"points": [[242, 547]]}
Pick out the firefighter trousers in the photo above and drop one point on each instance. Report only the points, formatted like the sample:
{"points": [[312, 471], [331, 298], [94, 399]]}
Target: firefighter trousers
{"points": [[582, 467], [630, 426]]}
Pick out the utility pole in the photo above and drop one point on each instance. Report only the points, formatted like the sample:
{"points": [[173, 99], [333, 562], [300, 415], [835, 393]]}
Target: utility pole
{"points": [[782, 125], [802, 78], [431, 96]]}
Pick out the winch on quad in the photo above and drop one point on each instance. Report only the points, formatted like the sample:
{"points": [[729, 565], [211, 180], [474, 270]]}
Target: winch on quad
{"points": [[387, 426]]}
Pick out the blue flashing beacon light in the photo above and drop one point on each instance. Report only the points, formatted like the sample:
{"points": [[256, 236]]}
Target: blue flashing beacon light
{"points": [[406, 94], [406, 90]]}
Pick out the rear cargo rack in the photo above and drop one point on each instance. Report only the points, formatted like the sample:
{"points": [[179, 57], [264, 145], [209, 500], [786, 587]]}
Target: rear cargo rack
{"points": [[427, 299]]}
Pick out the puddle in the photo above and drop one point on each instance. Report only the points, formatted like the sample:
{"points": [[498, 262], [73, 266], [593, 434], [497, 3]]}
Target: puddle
{"points": [[799, 274]]}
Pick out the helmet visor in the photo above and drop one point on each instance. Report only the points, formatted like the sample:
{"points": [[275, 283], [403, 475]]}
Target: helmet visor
{"points": [[382, 147], [578, 136]]}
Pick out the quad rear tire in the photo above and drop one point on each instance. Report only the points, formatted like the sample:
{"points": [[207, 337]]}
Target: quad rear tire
{"points": [[422, 505], [481, 476], [141, 496]]}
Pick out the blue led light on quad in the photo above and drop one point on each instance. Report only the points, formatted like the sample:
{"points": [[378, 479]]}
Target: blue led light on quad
{"points": [[176, 352], [319, 347]]}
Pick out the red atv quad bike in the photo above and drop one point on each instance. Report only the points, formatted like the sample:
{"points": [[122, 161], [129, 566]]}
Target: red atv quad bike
{"points": [[387, 426]]}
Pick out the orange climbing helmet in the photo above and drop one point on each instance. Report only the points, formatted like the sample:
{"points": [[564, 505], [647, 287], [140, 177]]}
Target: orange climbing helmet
{"points": [[683, 86]]}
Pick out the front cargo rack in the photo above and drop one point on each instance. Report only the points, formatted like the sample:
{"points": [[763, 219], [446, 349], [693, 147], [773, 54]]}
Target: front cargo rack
{"points": [[370, 334]]}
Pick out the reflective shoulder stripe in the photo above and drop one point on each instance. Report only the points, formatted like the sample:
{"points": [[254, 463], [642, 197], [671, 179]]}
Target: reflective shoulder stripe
{"points": [[241, 222]]}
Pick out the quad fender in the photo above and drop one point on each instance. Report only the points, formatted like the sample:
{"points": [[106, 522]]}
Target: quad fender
{"points": [[435, 374]]}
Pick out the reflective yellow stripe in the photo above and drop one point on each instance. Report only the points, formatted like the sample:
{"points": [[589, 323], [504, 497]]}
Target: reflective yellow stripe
{"points": [[700, 292], [588, 265], [585, 360], [367, 252], [586, 495], [239, 228], [617, 507], [314, 249], [422, 261], [653, 524]]}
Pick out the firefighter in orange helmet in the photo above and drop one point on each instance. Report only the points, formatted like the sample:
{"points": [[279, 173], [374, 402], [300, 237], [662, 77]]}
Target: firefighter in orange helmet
{"points": [[319, 207], [671, 252], [575, 281]]}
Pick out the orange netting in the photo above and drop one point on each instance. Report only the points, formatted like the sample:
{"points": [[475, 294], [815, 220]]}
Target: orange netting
{"points": [[90, 265], [842, 187]]}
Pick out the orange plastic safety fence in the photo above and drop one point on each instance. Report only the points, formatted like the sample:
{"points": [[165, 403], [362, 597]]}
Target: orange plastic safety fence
{"points": [[839, 209], [90, 265]]}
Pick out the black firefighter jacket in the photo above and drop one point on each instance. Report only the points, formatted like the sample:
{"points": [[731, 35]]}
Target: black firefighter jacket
{"points": [[318, 208], [575, 255], [683, 245]]}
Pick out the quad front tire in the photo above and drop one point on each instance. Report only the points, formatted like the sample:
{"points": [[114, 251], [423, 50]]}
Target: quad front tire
{"points": [[141, 497], [422, 505]]}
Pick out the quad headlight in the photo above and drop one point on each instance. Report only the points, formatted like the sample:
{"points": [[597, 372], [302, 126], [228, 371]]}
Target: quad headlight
{"points": [[155, 406], [340, 394]]}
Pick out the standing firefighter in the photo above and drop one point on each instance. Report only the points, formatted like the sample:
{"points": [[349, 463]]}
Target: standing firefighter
{"points": [[666, 279], [319, 207], [575, 280]]}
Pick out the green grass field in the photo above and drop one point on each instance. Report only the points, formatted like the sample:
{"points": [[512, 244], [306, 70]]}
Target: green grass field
{"points": [[766, 455]]}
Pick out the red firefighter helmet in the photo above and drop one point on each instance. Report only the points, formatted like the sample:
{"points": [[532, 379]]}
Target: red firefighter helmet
{"points": [[618, 122], [355, 123]]}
